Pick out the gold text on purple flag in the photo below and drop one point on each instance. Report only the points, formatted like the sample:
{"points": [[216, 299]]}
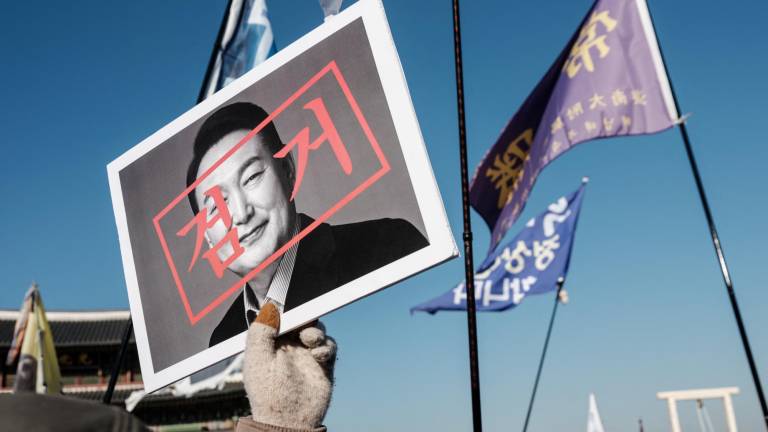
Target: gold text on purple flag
{"points": [[581, 53], [507, 167]]}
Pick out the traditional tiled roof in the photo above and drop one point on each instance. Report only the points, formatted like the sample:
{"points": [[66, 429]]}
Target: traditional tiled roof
{"points": [[95, 392], [105, 328], [206, 405], [74, 329], [122, 391]]}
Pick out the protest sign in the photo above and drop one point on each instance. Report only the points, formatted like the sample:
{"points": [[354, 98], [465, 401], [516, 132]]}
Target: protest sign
{"points": [[305, 182]]}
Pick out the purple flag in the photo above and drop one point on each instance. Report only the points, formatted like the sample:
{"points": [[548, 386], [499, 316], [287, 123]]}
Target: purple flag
{"points": [[608, 81]]}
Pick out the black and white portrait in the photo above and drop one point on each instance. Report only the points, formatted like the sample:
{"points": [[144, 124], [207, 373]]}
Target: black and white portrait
{"points": [[305, 183], [254, 188]]}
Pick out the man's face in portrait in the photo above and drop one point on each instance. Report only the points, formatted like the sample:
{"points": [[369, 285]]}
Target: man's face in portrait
{"points": [[256, 188]]}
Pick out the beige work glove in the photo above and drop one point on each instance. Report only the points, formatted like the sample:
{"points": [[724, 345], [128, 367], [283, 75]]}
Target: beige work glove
{"points": [[288, 379]]}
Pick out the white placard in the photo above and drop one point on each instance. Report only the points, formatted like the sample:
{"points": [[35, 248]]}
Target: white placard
{"points": [[306, 180]]}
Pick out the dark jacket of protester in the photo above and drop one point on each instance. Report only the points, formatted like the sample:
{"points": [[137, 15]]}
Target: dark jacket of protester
{"points": [[32, 412]]}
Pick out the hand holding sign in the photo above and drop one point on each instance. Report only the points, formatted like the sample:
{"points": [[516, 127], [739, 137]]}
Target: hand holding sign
{"points": [[288, 379]]}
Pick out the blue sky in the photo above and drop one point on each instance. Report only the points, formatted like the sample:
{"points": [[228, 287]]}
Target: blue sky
{"points": [[85, 81]]}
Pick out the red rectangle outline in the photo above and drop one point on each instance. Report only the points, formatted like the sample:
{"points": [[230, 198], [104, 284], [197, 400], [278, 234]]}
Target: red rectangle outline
{"points": [[385, 167]]}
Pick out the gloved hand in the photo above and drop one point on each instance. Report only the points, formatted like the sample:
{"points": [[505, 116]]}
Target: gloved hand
{"points": [[288, 379]]}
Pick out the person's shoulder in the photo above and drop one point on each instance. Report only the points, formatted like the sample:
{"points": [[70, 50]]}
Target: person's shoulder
{"points": [[392, 238], [333, 255], [378, 226]]}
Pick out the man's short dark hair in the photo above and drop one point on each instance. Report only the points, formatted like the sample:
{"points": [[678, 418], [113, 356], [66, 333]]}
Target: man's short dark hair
{"points": [[237, 116]]}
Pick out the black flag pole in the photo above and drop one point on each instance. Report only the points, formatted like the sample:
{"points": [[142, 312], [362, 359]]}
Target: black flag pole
{"points": [[560, 282], [107, 399], [724, 269], [718, 249], [469, 283], [214, 54], [201, 96]]}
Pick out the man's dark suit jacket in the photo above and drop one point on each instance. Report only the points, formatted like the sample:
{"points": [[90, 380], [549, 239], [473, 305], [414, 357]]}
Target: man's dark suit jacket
{"points": [[329, 257]]}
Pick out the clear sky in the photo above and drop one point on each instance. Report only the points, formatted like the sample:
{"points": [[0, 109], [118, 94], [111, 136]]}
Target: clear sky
{"points": [[85, 81]]}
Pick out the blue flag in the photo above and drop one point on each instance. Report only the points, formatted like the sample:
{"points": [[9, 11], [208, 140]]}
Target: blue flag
{"points": [[247, 41], [530, 264]]}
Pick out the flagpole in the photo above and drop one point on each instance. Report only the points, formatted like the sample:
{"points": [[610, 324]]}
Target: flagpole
{"points": [[560, 282], [118, 362], [718, 250], [212, 60], [474, 370], [724, 269]]}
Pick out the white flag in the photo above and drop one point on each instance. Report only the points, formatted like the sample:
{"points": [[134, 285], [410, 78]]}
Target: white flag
{"points": [[594, 424], [330, 7]]}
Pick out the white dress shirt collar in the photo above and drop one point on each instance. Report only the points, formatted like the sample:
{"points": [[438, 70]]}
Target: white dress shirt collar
{"points": [[278, 287]]}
